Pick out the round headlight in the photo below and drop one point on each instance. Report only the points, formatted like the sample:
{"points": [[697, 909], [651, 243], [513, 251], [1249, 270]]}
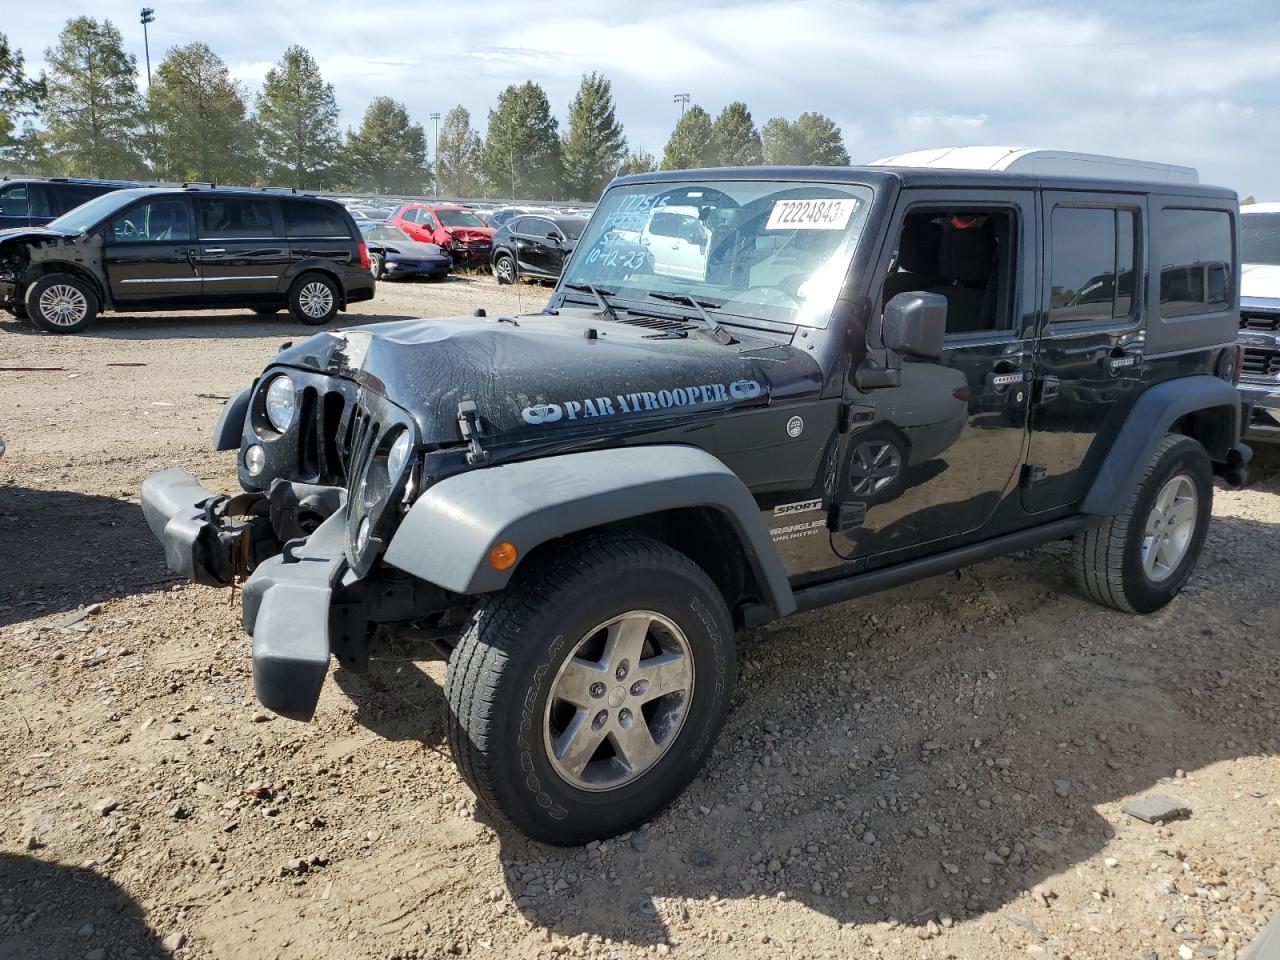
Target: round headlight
{"points": [[362, 535], [398, 455], [255, 458], [281, 403]]}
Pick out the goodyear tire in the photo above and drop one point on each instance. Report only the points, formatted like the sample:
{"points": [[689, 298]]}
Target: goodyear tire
{"points": [[61, 303], [1138, 560], [584, 697], [313, 299]]}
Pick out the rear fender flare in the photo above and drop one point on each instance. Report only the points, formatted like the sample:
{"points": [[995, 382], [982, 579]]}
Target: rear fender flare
{"points": [[446, 537]]}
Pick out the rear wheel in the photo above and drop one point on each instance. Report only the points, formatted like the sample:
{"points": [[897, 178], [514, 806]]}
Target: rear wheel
{"points": [[377, 266], [585, 696], [313, 299], [1138, 560], [61, 303], [504, 268]]}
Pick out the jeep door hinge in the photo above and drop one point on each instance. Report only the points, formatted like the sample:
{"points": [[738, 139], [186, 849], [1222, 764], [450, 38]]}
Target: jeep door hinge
{"points": [[469, 425], [1033, 473]]}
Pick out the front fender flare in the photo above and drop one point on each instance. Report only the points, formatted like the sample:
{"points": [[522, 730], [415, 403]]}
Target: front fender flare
{"points": [[446, 536], [1154, 412]]}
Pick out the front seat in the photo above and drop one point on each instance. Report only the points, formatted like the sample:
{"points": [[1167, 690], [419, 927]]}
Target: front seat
{"points": [[917, 263], [965, 260]]}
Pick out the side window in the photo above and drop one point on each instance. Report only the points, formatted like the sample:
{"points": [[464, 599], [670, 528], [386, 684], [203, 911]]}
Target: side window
{"points": [[13, 201], [1092, 256], [156, 221], [540, 227], [1195, 262], [307, 218], [427, 220], [227, 218], [966, 256], [42, 201], [409, 216], [519, 225]]}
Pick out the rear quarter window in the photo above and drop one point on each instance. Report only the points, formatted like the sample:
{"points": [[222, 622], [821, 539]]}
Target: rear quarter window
{"points": [[1195, 262], [308, 218]]}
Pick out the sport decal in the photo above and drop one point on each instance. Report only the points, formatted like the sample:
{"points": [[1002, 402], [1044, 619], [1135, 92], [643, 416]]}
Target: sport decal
{"points": [[804, 506], [811, 214], [622, 404]]}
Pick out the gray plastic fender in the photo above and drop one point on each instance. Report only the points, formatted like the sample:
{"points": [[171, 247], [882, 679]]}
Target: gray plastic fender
{"points": [[230, 428], [446, 536], [1149, 420]]}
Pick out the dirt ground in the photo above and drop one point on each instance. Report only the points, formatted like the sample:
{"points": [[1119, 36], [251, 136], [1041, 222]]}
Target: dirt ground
{"points": [[934, 772]]}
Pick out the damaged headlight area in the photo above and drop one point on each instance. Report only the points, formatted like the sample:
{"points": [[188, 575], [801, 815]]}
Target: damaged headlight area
{"points": [[383, 463]]}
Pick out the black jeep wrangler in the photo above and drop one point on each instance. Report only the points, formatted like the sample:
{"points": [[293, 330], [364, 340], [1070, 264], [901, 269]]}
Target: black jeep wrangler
{"points": [[825, 382], [171, 248]]}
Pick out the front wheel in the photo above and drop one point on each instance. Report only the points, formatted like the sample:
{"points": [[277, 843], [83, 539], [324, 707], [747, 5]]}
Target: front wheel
{"points": [[61, 303], [313, 299], [1138, 560], [585, 696], [504, 268]]}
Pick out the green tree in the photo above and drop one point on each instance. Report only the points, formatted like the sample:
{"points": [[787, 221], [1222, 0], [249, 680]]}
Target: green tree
{"points": [[734, 137], [93, 113], [28, 152], [821, 141], [298, 123], [813, 140], [459, 155], [522, 147], [200, 119], [594, 145], [638, 161], [389, 152], [691, 144], [20, 98]]}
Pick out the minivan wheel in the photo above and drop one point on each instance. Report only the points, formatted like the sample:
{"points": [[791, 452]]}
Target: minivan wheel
{"points": [[313, 299], [61, 303], [504, 268], [584, 697], [1138, 560]]}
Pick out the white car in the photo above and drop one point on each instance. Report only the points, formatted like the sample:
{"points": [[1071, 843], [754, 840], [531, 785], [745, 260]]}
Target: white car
{"points": [[677, 241], [1260, 319]]}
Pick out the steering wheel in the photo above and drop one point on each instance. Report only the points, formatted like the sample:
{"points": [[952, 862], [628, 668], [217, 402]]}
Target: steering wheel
{"points": [[795, 301], [125, 230]]}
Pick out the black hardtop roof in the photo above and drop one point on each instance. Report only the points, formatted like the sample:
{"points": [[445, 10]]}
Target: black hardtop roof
{"points": [[930, 177]]}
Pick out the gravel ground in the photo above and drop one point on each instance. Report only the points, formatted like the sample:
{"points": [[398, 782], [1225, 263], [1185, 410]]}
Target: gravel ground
{"points": [[935, 772]]}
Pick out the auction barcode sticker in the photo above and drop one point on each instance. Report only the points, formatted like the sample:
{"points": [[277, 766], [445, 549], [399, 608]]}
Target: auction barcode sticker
{"points": [[829, 214]]}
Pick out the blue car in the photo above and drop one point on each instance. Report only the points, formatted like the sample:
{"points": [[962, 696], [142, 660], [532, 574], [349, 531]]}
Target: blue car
{"points": [[393, 253]]}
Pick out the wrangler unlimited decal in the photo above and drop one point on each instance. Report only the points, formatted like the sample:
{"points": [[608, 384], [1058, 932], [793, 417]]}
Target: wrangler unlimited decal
{"points": [[701, 395]]}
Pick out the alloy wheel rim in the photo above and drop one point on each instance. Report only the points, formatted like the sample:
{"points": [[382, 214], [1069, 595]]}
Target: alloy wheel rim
{"points": [[315, 299], [63, 305], [504, 268], [619, 701], [1170, 527], [874, 466]]}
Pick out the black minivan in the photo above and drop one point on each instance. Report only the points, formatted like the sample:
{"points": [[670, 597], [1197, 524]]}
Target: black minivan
{"points": [[34, 201], [186, 248]]}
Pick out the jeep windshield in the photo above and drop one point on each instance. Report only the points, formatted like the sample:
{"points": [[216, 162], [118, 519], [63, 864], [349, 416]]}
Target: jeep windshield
{"points": [[88, 215], [761, 249]]}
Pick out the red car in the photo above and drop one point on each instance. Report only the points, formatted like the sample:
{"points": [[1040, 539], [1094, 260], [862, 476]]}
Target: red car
{"points": [[455, 228]]}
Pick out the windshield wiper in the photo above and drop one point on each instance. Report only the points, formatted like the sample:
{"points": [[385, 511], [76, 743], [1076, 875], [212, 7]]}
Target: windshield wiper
{"points": [[700, 305], [606, 307]]}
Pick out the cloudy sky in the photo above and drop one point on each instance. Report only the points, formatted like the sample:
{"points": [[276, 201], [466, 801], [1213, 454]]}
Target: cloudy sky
{"points": [[1184, 81]]}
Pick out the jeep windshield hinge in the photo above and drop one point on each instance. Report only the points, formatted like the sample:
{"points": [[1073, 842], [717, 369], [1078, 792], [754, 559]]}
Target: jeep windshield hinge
{"points": [[469, 424]]}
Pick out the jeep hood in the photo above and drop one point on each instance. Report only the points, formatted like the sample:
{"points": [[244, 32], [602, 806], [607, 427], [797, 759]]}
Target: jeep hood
{"points": [[532, 375]]}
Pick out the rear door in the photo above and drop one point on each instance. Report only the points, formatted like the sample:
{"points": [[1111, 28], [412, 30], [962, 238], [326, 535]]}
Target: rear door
{"points": [[149, 254], [536, 247], [1088, 361], [243, 252]]}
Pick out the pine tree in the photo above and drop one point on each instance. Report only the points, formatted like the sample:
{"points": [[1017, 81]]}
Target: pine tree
{"points": [[522, 146], [779, 145], [200, 119], [389, 152], [298, 123], [690, 145], [594, 145], [821, 141], [93, 113], [20, 98], [735, 138], [637, 161], [459, 156]]}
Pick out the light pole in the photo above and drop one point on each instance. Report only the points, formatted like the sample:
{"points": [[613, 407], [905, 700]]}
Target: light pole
{"points": [[148, 16], [435, 167], [683, 100]]}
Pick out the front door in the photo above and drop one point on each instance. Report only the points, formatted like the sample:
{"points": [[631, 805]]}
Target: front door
{"points": [[537, 248], [932, 459], [243, 251], [149, 254], [1089, 356]]}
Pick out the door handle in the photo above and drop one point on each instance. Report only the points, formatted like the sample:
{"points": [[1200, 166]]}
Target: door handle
{"points": [[215, 249], [1002, 379], [1121, 359]]}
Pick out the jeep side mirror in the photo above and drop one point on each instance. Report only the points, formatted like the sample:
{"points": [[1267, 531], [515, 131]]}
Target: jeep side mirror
{"points": [[914, 325]]}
